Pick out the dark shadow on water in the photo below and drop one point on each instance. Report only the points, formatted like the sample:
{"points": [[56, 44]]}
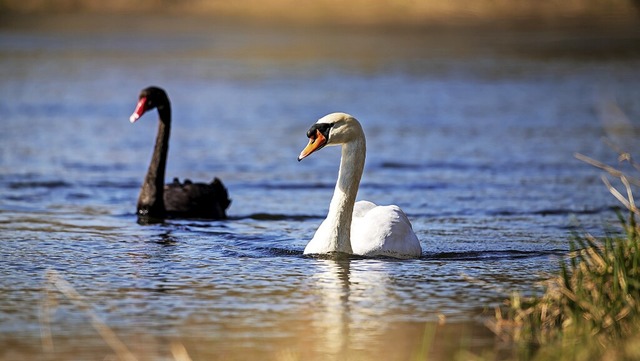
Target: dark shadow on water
{"points": [[291, 186], [149, 220], [471, 256], [219, 223], [553, 212], [166, 239], [52, 184], [491, 255], [278, 252], [435, 166], [274, 217]]}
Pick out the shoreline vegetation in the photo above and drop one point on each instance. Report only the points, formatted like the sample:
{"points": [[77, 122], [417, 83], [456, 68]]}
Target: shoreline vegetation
{"points": [[590, 309], [401, 13]]}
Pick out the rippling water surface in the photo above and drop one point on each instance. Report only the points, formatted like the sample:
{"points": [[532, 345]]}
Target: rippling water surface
{"points": [[472, 134]]}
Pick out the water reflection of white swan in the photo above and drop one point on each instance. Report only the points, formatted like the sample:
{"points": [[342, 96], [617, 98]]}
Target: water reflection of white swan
{"points": [[360, 228], [332, 323], [355, 302]]}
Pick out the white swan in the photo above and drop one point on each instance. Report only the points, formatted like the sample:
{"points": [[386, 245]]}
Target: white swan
{"points": [[360, 228]]}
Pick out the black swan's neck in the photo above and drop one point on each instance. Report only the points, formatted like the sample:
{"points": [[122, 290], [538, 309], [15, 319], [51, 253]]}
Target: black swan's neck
{"points": [[150, 201]]}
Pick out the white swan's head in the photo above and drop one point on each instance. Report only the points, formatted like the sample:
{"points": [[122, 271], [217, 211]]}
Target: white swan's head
{"points": [[332, 129]]}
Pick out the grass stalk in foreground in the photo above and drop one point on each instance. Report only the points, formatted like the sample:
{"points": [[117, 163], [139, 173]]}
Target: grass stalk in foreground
{"points": [[108, 335]]}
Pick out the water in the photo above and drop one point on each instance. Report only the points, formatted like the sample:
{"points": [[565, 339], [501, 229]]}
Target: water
{"points": [[471, 133]]}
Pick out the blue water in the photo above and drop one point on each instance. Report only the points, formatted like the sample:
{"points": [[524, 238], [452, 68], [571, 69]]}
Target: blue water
{"points": [[472, 134]]}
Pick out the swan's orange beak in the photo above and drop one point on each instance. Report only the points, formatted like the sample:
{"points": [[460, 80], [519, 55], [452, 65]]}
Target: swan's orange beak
{"points": [[315, 143], [140, 109]]}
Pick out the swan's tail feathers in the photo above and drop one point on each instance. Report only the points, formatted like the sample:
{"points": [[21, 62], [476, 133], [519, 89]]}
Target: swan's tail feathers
{"points": [[221, 191], [176, 182]]}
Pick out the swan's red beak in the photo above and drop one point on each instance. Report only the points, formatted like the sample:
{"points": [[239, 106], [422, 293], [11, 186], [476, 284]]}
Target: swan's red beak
{"points": [[140, 109], [315, 143]]}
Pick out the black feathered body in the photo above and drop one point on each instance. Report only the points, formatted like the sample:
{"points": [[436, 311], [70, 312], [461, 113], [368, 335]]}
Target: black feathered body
{"points": [[196, 200]]}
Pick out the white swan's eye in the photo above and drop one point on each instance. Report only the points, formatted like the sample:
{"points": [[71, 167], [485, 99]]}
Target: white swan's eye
{"points": [[323, 128], [311, 133]]}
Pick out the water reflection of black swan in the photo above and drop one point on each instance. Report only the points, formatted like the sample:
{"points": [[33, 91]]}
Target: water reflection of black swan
{"points": [[175, 200]]}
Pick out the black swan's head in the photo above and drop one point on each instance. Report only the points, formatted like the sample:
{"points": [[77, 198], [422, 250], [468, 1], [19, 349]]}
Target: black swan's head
{"points": [[151, 97]]}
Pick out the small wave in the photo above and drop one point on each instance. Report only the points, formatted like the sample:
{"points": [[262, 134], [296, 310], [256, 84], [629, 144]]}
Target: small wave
{"points": [[406, 186], [253, 247], [106, 183], [275, 217], [492, 255], [290, 186], [400, 165], [434, 165], [274, 251], [39, 184], [551, 212], [93, 167], [563, 211]]}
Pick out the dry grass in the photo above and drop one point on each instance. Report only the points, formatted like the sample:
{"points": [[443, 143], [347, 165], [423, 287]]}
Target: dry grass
{"points": [[591, 309], [55, 282], [57, 285]]}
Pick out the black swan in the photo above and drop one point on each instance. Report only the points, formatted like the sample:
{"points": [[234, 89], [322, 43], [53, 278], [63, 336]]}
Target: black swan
{"points": [[174, 200]]}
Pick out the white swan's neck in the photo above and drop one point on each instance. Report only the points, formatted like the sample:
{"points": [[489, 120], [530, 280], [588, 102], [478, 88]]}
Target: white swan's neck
{"points": [[344, 195]]}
